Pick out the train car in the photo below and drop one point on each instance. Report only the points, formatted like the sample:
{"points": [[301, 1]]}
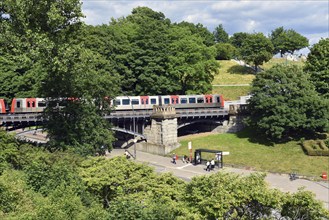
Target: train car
{"points": [[135, 102], [2, 106], [27, 105], [194, 101], [178, 101]]}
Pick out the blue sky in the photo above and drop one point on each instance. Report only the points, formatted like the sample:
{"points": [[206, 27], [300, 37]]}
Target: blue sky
{"points": [[309, 18]]}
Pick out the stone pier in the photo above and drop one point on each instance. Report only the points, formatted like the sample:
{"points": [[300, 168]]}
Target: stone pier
{"points": [[162, 132]]}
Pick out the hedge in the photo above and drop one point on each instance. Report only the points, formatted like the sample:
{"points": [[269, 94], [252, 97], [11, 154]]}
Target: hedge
{"points": [[316, 148]]}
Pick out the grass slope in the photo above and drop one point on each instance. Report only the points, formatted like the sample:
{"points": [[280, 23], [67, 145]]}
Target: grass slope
{"points": [[231, 73]]}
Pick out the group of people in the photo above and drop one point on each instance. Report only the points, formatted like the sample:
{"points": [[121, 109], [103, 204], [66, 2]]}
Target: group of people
{"points": [[210, 165], [185, 159]]}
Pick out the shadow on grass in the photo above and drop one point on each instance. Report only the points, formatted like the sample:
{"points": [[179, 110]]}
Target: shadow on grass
{"points": [[242, 70], [253, 137]]}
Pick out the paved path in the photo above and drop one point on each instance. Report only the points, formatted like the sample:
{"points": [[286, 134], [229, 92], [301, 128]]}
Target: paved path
{"points": [[187, 171]]}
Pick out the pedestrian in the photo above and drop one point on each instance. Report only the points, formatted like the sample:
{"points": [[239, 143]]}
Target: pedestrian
{"points": [[183, 159], [174, 159], [208, 166], [212, 164], [127, 154]]}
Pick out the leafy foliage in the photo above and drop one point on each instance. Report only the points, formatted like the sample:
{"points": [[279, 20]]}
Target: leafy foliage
{"points": [[318, 65], [66, 186], [221, 36], [284, 104], [287, 41], [224, 51], [256, 49]]}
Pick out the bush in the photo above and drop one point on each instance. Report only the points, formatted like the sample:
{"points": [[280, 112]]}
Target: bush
{"points": [[316, 148], [224, 51]]}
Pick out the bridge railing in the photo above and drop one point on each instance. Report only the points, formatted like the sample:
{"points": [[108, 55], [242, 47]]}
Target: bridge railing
{"points": [[180, 113]]}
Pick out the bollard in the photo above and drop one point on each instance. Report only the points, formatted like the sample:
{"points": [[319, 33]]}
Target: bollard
{"points": [[324, 175]]}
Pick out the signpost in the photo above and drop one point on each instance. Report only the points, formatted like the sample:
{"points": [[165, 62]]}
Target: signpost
{"points": [[190, 149]]}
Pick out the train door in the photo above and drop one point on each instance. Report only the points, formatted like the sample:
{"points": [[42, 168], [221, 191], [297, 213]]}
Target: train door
{"points": [[174, 99], [208, 99], [2, 106], [221, 101], [31, 104], [144, 100]]}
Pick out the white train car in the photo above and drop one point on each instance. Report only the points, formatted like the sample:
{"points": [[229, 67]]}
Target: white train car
{"points": [[178, 101], [26, 105]]}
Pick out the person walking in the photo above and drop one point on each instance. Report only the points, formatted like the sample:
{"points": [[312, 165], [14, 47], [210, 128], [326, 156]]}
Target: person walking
{"points": [[174, 159], [212, 164], [208, 166]]}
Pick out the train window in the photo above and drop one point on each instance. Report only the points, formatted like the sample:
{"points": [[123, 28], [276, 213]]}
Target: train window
{"points": [[166, 100], [135, 102], [153, 101], [18, 104], [41, 104], [125, 102], [33, 104], [218, 101], [191, 100], [28, 104], [117, 102], [183, 100], [200, 100]]}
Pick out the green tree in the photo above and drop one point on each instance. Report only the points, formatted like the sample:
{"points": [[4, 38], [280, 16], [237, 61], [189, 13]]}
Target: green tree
{"points": [[201, 31], [287, 41], [284, 104], [132, 190], [225, 51], [238, 38], [28, 29], [256, 49], [317, 65], [221, 36], [146, 49], [191, 63]]}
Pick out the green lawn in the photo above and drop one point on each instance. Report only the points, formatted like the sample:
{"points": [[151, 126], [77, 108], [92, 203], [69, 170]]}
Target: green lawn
{"points": [[230, 73], [231, 92], [278, 158]]}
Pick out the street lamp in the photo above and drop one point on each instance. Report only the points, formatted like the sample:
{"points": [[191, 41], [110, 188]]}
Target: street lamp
{"points": [[134, 127]]}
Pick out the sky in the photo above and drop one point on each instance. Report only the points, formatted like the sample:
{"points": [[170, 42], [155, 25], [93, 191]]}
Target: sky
{"points": [[309, 18]]}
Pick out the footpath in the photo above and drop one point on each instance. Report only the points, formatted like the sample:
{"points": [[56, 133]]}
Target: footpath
{"points": [[187, 171]]}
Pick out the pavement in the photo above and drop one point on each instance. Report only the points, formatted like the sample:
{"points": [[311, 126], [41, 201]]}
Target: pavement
{"points": [[187, 171]]}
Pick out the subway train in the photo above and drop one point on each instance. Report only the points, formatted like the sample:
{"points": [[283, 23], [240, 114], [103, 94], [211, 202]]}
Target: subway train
{"points": [[122, 103]]}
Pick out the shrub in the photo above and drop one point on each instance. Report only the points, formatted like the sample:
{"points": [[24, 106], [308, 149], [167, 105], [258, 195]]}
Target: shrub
{"points": [[316, 148]]}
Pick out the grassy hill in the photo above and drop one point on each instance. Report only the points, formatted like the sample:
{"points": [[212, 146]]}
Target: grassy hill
{"points": [[233, 80]]}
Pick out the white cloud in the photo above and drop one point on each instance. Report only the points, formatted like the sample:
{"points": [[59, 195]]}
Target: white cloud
{"points": [[309, 18]]}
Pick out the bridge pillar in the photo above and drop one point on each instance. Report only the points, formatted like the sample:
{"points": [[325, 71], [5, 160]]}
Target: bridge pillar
{"points": [[162, 132]]}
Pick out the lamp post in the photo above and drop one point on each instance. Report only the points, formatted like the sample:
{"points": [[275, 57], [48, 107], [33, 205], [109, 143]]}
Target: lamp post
{"points": [[134, 128]]}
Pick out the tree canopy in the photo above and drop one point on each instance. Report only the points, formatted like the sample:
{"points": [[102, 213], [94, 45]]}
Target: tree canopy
{"points": [[287, 41], [318, 65], [256, 49], [36, 184], [284, 104], [221, 36]]}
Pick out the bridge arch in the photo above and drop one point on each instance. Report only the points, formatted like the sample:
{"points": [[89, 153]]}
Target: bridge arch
{"points": [[210, 121]]}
